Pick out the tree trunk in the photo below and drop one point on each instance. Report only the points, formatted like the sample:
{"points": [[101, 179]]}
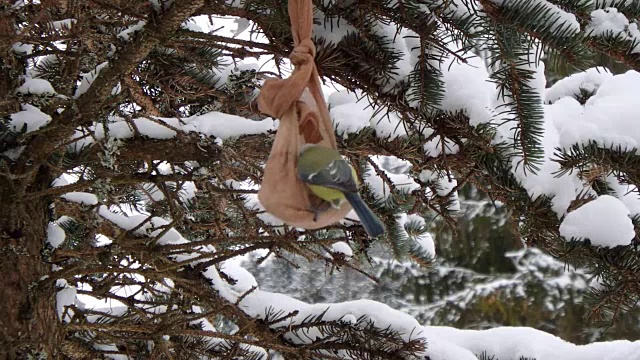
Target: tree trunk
{"points": [[29, 325]]}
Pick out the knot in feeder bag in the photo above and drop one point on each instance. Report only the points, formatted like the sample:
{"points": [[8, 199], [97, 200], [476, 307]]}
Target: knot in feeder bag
{"points": [[304, 119]]}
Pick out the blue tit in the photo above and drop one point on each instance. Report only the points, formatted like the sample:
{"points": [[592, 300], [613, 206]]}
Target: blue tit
{"points": [[334, 180]]}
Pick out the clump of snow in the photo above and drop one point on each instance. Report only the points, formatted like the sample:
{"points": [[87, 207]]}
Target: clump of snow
{"points": [[116, 89], [351, 117], [83, 198], [521, 342], [425, 245], [351, 113], [610, 21], [42, 62], [567, 116], [380, 189], [608, 118], [155, 227], [389, 126], [88, 78], [157, 129], [349, 319], [619, 96], [192, 25], [544, 182], [423, 241], [242, 24], [343, 248], [244, 281], [555, 15], [252, 202], [588, 80], [150, 226], [64, 179], [396, 36], [188, 190], [438, 146], [66, 296], [55, 235], [259, 303], [223, 74], [225, 126], [563, 190], [605, 221], [468, 89], [30, 116], [221, 125], [36, 87], [439, 348], [128, 32], [626, 193], [22, 48], [444, 184], [343, 97], [330, 29]]}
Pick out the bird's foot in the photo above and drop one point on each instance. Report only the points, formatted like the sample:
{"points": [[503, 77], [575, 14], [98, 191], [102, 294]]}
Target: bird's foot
{"points": [[319, 209]]}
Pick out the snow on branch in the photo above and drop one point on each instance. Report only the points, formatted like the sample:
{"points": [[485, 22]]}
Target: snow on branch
{"points": [[610, 22], [219, 125], [518, 342], [302, 323]]}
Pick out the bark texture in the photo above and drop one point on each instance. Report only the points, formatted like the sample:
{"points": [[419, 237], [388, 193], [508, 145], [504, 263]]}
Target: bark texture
{"points": [[28, 321]]}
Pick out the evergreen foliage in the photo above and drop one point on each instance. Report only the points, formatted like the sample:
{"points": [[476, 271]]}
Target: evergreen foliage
{"points": [[119, 182], [480, 279]]}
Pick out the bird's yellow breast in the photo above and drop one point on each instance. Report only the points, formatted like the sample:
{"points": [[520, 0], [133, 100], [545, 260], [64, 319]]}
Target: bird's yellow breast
{"points": [[333, 196]]}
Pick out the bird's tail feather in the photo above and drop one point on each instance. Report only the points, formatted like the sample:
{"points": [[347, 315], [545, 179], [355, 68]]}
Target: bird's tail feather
{"points": [[372, 225]]}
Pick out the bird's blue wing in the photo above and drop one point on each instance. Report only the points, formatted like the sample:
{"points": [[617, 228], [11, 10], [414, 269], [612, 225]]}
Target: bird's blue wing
{"points": [[337, 175]]}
